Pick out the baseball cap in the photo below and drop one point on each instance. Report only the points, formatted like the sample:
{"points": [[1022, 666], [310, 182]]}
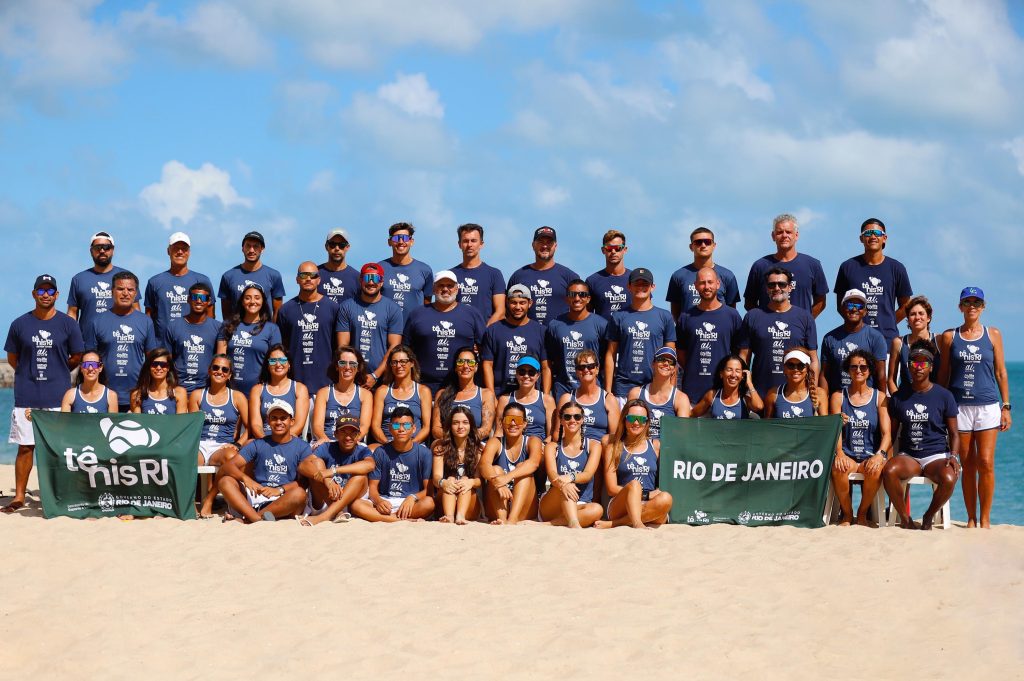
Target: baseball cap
{"points": [[255, 236], [528, 361], [337, 232], [972, 292], [445, 274], [371, 267], [101, 235], [666, 352], [641, 274], [45, 281], [545, 232], [346, 421], [280, 405], [854, 294], [179, 236], [519, 291]]}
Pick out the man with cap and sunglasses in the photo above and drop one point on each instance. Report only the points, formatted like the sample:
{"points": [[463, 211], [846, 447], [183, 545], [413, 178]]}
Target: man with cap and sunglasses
{"points": [[511, 339], [547, 280], [407, 281], [852, 334], [166, 296], [635, 333], [43, 346], [250, 271], [371, 322], [91, 291], [338, 280], [337, 473]]}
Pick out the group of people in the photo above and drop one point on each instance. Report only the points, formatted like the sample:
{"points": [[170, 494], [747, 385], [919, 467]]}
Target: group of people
{"points": [[394, 392]]}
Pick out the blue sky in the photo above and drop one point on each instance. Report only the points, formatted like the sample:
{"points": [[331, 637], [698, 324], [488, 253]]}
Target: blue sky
{"points": [[217, 117]]}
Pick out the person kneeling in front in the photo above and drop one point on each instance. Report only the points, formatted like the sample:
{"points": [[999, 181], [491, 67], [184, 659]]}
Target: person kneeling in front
{"points": [[337, 473], [260, 482], [398, 481]]}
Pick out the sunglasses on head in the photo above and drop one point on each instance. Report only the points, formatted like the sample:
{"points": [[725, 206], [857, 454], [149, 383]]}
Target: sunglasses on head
{"points": [[526, 371], [872, 232], [613, 248], [572, 417], [306, 276], [91, 365], [405, 425], [46, 291], [271, 361], [372, 278], [588, 366], [401, 238], [578, 294], [636, 418], [199, 297], [702, 242]]}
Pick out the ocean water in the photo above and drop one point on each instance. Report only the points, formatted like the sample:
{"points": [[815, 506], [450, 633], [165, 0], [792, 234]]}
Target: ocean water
{"points": [[1007, 506]]}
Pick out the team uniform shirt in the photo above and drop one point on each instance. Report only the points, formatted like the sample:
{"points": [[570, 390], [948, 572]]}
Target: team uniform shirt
{"points": [[308, 331], [658, 410], [839, 343], [151, 405], [275, 464], [248, 347], [536, 415], [80, 405], [595, 416], [407, 285], [567, 465], [883, 284], [338, 286], [639, 335], [923, 420], [682, 287], [722, 411], [369, 325], [505, 344], [642, 467], [548, 288], [43, 347], [972, 376], [478, 285], [93, 294], [401, 474], [335, 409], [808, 281], [330, 453], [391, 403], [435, 336], [220, 422], [608, 292], [769, 335], [862, 433], [784, 408], [122, 342], [166, 298], [565, 339], [268, 398], [235, 280], [193, 347], [705, 337]]}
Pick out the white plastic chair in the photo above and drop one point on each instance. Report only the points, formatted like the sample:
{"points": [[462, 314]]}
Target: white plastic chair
{"points": [[205, 472], [944, 513], [832, 502]]}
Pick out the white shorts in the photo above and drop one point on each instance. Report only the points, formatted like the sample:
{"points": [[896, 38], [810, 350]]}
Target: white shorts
{"points": [[208, 447], [323, 507], [21, 427], [395, 502], [973, 417], [925, 460], [258, 501]]}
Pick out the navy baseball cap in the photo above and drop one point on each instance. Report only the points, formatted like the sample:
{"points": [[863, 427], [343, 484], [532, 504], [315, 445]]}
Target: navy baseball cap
{"points": [[545, 232], [45, 281], [255, 236], [972, 292]]}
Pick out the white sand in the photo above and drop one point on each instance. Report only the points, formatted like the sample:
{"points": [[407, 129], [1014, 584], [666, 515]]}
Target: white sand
{"points": [[182, 600]]}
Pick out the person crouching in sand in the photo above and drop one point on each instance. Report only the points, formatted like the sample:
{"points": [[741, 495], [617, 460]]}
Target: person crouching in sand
{"points": [[337, 473], [508, 464], [572, 461]]}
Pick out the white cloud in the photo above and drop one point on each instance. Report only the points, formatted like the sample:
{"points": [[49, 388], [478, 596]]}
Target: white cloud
{"points": [[413, 95], [549, 196], [1016, 147], [691, 59], [180, 191]]}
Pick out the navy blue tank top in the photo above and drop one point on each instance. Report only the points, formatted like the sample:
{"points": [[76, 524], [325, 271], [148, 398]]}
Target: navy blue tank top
{"points": [[391, 403], [167, 405], [595, 415], [666, 408], [84, 406], [335, 408], [972, 377], [475, 404], [507, 464], [267, 397], [642, 467], [861, 434], [721, 410], [566, 465], [784, 409], [220, 422], [536, 415]]}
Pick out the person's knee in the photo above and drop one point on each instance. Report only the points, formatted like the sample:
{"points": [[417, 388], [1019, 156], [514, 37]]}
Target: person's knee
{"points": [[227, 484], [663, 502], [26, 450], [985, 465]]}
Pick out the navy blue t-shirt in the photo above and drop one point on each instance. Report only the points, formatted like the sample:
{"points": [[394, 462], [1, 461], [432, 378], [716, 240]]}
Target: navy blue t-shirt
{"points": [[505, 344], [338, 286], [369, 325], [478, 285], [407, 285], [923, 420], [330, 453], [705, 337], [639, 335], [193, 346], [166, 298], [808, 281], [884, 284], [235, 280], [839, 343], [435, 336], [275, 464], [308, 331], [769, 335], [401, 473], [248, 348], [92, 294], [548, 289], [122, 342], [565, 339], [608, 292], [681, 288], [43, 347]]}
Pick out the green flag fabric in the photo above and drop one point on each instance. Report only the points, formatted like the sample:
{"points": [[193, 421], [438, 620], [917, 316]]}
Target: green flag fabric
{"points": [[748, 472], [100, 465]]}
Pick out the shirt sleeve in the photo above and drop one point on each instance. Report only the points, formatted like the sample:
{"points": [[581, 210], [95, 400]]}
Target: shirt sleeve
{"points": [[342, 322], [670, 327], [497, 283], [395, 319], [675, 289], [89, 336], [379, 461], [149, 300], [732, 289], [820, 285], [743, 335], [842, 281], [224, 290], [12, 344], [428, 281], [812, 332], [152, 342], [902, 282], [248, 452], [275, 333], [752, 291]]}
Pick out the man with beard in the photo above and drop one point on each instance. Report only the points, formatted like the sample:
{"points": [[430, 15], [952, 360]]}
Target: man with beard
{"points": [[568, 335], [706, 333], [547, 280], [370, 322], [308, 322], [338, 281], [91, 290], [166, 296], [511, 339], [250, 271]]}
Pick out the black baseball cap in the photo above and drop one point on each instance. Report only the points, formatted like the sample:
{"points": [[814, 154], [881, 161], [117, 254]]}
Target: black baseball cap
{"points": [[255, 236], [45, 281], [545, 232], [641, 274]]}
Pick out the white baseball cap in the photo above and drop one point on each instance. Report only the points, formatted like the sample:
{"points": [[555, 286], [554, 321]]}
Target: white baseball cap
{"points": [[445, 274], [101, 235], [179, 236], [281, 405]]}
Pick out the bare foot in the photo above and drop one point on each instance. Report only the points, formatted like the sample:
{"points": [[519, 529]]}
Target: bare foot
{"points": [[926, 522], [603, 524], [909, 524], [14, 506], [867, 523], [844, 523], [445, 519], [497, 521], [971, 522], [460, 520]]}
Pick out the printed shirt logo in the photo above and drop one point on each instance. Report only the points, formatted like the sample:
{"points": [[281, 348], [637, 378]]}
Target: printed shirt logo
{"points": [[125, 334], [400, 282], [444, 329], [178, 295], [873, 286], [246, 284], [729, 414], [159, 408], [542, 288], [126, 435], [779, 330], [101, 291], [797, 411], [616, 289], [308, 322], [42, 340], [639, 330], [860, 414], [468, 287], [334, 287], [706, 332]]}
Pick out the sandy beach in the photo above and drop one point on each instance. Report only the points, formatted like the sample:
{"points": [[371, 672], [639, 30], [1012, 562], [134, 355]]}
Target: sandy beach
{"points": [[183, 600]]}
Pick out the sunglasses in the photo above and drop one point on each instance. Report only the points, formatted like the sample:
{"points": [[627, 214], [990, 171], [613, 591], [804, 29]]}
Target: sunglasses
{"points": [[854, 306], [702, 242], [972, 303], [465, 362], [306, 276], [858, 368], [401, 238], [920, 364], [199, 297], [577, 294], [346, 364], [372, 278], [46, 291], [513, 421], [636, 418], [777, 284], [400, 362], [795, 366], [572, 417], [337, 244], [613, 248], [589, 366], [91, 365], [271, 361], [103, 247], [160, 364], [407, 425], [872, 232], [526, 371], [220, 369], [665, 360]]}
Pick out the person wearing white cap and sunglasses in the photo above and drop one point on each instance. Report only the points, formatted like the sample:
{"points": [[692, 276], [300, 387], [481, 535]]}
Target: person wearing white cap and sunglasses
{"points": [[339, 281], [166, 297], [92, 291], [838, 343], [799, 395], [250, 271]]}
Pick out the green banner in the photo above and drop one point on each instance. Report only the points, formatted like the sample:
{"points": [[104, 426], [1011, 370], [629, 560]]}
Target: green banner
{"points": [[748, 472], [100, 465]]}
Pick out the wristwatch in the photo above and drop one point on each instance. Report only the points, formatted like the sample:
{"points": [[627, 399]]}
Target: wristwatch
{"points": [[1007, 406], [282, 492]]}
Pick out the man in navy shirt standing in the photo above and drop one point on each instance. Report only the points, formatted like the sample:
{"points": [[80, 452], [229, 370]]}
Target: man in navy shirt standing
{"points": [[338, 280], [250, 271], [547, 280], [706, 333], [435, 332], [569, 334], [308, 322], [608, 286], [192, 339], [43, 346], [635, 333], [682, 290], [809, 285], [844, 339], [166, 295], [91, 290], [407, 281], [511, 339], [370, 323], [480, 285], [883, 280]]}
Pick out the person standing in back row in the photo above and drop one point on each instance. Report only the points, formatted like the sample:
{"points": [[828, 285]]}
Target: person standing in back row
{"points": [[166, 297], [308, 329], [338, 280], [547, 280], [808, 287], [634, 335], [480, 285], [682, 288], [91, 292], [250, 271], [608, 286], [407, 281]]}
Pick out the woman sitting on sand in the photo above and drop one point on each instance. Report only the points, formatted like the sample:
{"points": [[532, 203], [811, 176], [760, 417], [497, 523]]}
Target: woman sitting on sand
{"points": [[157, 390], [732, 395], [800, 395], [345, 395], [277, 385], [631, 472], [866, 438], [460, 388], [572, 461], [508, 464], [400, 386], [90, 394], [456, 467]]}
